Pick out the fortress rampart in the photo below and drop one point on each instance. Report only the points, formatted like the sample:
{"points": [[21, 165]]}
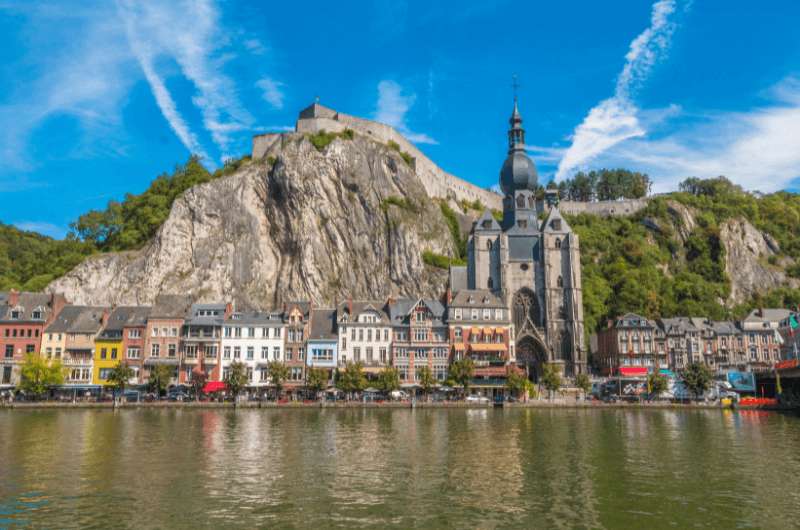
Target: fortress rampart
{"points": [[438, 183]]}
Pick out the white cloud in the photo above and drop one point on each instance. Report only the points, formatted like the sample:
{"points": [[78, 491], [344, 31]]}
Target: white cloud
{"points": [[272, 91], [48, 229], [758, 149], [159, 31], [615, 119], [392, 108]]}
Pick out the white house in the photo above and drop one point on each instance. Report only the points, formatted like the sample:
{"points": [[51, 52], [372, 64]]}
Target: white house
{"points": [[254, 339], [365, 334]]}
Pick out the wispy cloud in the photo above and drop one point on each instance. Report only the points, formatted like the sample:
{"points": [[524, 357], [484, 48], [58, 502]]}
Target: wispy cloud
{"points": [[272, 91], [615, 119], [160, 29], [48, 229], [392, 108], [758, 149]]}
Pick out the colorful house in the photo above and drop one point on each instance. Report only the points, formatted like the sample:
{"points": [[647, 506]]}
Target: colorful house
{"points": [[163, 333], [323, 342], [115, 343], [23, 318]]}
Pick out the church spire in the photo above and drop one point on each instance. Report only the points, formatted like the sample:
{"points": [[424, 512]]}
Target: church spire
{"points": [[516, 134]]}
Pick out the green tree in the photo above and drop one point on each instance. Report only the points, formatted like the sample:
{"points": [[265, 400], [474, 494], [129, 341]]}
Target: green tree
{"points": [[316, 380], [461, 372], [199, 379], [120, 375], [388, 380], [426, 380], [583, 382], [278, 374], [352, 379], [160, 377], [697, 377], [236, 379], [38, 374], [551, 378], [518, 384], [657, 384]]}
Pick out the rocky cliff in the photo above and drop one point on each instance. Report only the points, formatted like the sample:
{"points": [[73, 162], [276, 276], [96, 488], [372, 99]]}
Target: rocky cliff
{"points": [[348, 218]]}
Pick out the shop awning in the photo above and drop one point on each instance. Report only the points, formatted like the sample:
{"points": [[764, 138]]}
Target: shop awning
{"points": [[490, 371], [633, 370], [213, 386], [459, 346], [488, 346], [499, 331]]}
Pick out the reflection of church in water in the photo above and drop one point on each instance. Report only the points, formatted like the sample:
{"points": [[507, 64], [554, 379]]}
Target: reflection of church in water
{"points": [[532, 264]]}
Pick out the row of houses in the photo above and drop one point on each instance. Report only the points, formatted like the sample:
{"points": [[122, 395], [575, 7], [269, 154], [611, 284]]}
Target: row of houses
{"points": [[404, 333], [634, 344]]}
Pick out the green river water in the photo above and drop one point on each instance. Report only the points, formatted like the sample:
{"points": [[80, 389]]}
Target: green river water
{"points": [[355, 468]]}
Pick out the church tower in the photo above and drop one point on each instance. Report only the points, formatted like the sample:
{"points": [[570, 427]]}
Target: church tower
{"points": [[533, 265]]}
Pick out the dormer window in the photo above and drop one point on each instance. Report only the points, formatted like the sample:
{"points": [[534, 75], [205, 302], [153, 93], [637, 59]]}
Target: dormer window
{"points": [[471, 300], [556, 224], [37, 314], [16, 313], [520, 201], [487, 224], [522, 223]]}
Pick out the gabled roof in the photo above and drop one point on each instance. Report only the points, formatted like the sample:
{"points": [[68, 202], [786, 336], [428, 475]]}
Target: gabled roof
{"points": [[27, 303], [549, 225], [78, 319], [402, 308], [323, 325], [302, 305], [255, 318], [677, 325], [362, 306], [633, 320], [486, 223], [125, 316], [193, 318], [458, 277], [767, 315]]}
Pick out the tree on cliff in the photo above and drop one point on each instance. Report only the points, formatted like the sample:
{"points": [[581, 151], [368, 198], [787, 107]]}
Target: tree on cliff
{"points": [[38, 374]]}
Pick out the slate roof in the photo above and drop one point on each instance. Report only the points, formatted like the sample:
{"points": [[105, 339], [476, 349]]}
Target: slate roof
{"points": [[767, 315], [556, 215], [677, 325], [362, 306], [458, 277], [323, 325], [486, 223], [77, 319], [194, 319], [170, 306], [481, 298], [303, 306], [724, 327], [632, 320], [401, 308], [255, 318], [122, 317], [27, 303]]}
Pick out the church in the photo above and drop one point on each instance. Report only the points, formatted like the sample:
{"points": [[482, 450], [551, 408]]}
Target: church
{"points": [[531, 260]]}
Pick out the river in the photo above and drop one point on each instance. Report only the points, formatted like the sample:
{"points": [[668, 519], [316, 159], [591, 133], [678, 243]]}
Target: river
{"points": [[353, 468]]}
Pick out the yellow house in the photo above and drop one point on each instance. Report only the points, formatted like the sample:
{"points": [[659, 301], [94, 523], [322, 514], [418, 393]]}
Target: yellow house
{"points": [[108, 348]]}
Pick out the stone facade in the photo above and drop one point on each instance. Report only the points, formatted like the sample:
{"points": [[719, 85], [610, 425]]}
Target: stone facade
{"points": [[533, 265]]}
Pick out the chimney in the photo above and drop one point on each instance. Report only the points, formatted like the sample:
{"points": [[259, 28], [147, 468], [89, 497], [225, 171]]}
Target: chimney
{"points": [[449, 295], [104, 317], [228, 310], [350, 305], [13, 297], [760, 312], [57, 303]]}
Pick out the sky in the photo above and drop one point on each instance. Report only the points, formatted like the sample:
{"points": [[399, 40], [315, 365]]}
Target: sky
{"points": [[99, 98]]}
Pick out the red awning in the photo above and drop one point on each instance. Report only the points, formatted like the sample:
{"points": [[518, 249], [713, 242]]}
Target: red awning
{"points": [[213, 386], [633, 370]]}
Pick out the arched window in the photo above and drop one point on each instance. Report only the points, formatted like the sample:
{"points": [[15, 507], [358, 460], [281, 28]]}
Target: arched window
{"points": [[558, 242], [560, 282], [489, 283], [520, 201], [488, 244], [531, 202]]}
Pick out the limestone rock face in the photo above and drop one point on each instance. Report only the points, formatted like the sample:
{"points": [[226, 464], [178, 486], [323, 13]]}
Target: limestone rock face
{"points": [[747, 251], [351, 219]]}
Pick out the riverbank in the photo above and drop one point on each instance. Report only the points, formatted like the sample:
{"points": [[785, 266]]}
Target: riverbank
{"points": [[560, 404]]}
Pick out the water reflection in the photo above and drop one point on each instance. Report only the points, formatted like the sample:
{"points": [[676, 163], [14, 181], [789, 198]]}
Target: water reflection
{"points": [[425, 468]]}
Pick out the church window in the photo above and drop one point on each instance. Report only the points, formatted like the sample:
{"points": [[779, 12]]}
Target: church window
{"points": [[524, 266], [488, 244], [556, 224], [489, 283], [560, 282], [522, 223], [531, 202], [558, 242], [520, 201]]}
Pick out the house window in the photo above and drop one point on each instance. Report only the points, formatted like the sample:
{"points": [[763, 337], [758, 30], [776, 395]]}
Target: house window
{"points": [[560, 282], [382, 354], [250, 353], [356, 354], [171, 350], [420, 334], [226, 352], [457, 313], [113, 353], [237, 352], [458, 334], [487, 314], [474, 314], [154, 350], [134, 333], [133, 353], [276, 353], [103, 353], [264, 352], [385, 335]]}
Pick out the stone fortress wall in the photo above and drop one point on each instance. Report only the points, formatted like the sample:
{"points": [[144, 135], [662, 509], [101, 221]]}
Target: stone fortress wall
{"points": [[438, 183]]}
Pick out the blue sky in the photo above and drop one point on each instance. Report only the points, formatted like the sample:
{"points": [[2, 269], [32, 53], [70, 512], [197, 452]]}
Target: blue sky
{"points": [[99, 98]]}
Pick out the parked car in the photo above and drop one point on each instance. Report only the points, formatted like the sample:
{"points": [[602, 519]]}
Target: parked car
{"points": [[477, 399], [398, 395], [177, 395]]}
